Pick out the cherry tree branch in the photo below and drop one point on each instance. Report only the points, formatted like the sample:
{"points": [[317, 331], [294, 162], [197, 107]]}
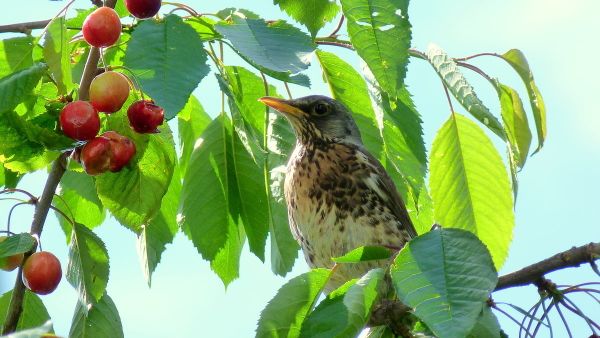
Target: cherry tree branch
{"points": [[15, 308], [573, 257], [24, 27], [392, 313]]}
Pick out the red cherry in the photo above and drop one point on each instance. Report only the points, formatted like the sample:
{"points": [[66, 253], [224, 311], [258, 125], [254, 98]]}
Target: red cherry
{"points": [[122, 149], [11, 262], [145, 116], [102, 27], [95, 156], [108, 91], [143, 9], [79, 120], [42, 273]]}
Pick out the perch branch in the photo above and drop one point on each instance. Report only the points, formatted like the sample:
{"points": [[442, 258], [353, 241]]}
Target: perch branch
{"points": [[566, 259], [24, 27]]}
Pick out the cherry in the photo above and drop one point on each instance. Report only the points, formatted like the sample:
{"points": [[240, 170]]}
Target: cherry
{"points": [[108, 91], [122, 150], [79, 120], [42, 273], [102, 27], [11, 262], [143, 9], [95, 156], [145, 116]]}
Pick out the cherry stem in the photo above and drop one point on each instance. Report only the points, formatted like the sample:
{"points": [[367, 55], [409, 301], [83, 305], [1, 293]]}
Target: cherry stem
{"points": [[287, 89], [338, 27], [5, 191], [10, 213], [135, 84], [182, 7]]}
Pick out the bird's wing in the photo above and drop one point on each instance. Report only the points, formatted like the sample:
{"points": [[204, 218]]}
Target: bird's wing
{"points": [[395, 202]]}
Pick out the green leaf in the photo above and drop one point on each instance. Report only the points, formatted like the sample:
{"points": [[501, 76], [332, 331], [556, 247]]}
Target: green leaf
{"points": [[79, 199], [134, 194], [515, 123], [446, 276], [280, 142], [252, 194], [161, 230], [284, 314], [517, 60], [77, 20], [39, 129], [36, 332], [278, 49], [34, 312], [88, 264], [191, 122], [348, 87], [486, 326], [16, 244], [15, 86], [448, 71], [364, 254], [204, 27], [345, 314], [57, 54], [101, 320], [380, 32], [15, 54], [422, 214], [469, 185], [205, 216], [402, 131], [168, 59], [313, 14], [209, 218]]}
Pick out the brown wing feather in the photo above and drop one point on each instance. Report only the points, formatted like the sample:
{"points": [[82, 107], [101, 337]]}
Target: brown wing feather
{"points": [[396, 204]]}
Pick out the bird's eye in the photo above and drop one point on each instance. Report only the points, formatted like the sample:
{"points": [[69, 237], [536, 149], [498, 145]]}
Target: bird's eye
{"points": [[321, 109]]}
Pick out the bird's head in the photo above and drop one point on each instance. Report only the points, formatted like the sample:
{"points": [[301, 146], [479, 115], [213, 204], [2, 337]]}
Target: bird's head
{"points": [[317, 118]]}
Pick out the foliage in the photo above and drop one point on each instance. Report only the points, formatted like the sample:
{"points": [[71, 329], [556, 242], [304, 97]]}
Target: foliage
{"points": [[223, 186]]}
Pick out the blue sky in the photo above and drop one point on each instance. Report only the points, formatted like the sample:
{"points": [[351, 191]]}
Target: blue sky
{"points": [[558, 200]]}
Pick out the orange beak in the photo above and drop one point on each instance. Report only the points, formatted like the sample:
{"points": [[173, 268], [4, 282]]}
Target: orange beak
{"points": [[282, 106]]}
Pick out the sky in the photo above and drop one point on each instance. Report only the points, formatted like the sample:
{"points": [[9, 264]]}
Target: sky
{"points": [[557, 205]]}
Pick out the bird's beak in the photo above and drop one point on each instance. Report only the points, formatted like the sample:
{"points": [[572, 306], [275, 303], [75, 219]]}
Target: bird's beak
{"points": [[282, 106]]}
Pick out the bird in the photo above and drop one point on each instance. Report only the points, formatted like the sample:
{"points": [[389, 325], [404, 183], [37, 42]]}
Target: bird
{"points": [[338, 195]]}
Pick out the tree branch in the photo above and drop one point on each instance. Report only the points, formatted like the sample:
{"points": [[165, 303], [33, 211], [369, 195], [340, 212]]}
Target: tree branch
{"points": [[566, 259], [15, 308], [24, 27], [39, 217]]}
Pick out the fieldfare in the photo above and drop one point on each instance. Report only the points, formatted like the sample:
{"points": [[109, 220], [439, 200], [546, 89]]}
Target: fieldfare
{"points": [[339, 197]]}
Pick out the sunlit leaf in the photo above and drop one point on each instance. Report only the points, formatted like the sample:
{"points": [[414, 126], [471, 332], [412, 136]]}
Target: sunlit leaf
{"points": [[15, 54], [313, 14], [446, 276], [345, 314], [469, 185], [34, 312], [16, 244], [517, 60], [284, 314], [79, 199], [448, 71], [88, 264], [101, 320], [515, 122], [133, 195], [380, 33], [364, 254], [57, 56], [191, 122]]}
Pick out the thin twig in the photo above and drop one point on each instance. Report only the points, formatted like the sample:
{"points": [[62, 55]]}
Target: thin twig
{"points": [[287, 89], [30, 195], [337, 28]]}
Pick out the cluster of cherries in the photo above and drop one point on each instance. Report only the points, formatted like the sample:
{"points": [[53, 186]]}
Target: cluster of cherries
{"points": [[80, 120]]}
